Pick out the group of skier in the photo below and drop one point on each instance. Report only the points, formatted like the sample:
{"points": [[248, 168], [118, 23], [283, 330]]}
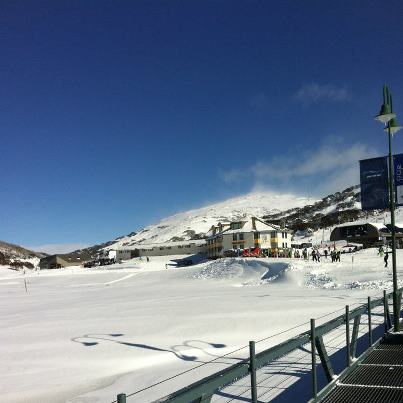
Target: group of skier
{"points": [[316, 255]]}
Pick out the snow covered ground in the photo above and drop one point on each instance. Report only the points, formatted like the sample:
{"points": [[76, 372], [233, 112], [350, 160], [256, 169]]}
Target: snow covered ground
{"points": [[85, 335]]}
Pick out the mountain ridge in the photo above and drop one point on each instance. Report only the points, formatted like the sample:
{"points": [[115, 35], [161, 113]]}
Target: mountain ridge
{"points": [[296, 212], [17, 256]]}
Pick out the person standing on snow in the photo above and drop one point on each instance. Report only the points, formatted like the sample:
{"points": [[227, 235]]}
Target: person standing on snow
{"points": [[380, 251], [326, 254], [385, 259]]}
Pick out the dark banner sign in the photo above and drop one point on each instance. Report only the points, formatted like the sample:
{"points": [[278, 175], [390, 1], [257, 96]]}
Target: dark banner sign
{"points": [[374, 183], [398, 177]]}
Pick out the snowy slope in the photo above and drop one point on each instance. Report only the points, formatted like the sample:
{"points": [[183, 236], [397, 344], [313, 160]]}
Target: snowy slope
{"points": [[194, 224], [309, 218], [18, 257], [84, 335]]}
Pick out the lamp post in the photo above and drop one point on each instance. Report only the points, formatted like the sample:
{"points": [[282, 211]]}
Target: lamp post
{"points": [[387, 117]]}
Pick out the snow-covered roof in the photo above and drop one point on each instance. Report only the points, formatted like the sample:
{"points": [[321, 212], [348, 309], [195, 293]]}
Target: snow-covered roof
{"points": [[378, 225], [259, 226], [149, 246]]}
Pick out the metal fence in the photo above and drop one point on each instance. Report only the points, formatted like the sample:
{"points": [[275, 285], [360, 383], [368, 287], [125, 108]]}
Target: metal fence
{"points": [[338, 345]]}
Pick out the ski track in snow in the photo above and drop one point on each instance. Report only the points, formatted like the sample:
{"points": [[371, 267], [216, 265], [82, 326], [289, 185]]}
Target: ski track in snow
{"points": [[121, 279]]}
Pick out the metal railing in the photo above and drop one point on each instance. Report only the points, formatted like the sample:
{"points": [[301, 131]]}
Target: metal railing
{"points": [[204, 389]]}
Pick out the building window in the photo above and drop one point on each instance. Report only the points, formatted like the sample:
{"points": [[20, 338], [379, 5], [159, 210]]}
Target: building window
{"points": [[235, 225], [234, 237], [256, 235], [273, 234], [241, 237], [162, 248], [241, 246], [187, 246]]}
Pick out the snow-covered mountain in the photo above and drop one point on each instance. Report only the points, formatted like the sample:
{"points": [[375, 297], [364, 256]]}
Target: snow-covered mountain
{"points": [[18, 257], [333, 209], [194, 224], [303, 214]]}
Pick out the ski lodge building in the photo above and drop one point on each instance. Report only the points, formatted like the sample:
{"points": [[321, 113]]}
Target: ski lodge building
{"points": [[367, 233], [56, 262], [193, 247], [248, 233]]}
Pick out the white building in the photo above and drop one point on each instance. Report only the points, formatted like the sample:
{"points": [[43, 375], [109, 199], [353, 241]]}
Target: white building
{"points": [[249, 232], [193, 247]]}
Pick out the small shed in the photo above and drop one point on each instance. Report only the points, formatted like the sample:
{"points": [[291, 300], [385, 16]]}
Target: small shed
{"points": [[54, 262]]}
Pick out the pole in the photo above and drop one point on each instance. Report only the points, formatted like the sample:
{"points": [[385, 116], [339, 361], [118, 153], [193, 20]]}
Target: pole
{"points": [[393, 231], [348, 336], [313, 353], [369, 321], [385, 311], [252, 368]]}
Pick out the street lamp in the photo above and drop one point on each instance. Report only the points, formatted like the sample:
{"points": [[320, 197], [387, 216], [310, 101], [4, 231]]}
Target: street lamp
{"points": [[387, 117]]}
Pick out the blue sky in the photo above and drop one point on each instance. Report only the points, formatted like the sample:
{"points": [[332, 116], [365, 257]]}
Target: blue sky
{"points": [[117, 113]]}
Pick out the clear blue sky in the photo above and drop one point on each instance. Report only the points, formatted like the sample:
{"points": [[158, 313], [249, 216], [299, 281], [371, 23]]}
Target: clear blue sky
{"points": [[117, 113]]}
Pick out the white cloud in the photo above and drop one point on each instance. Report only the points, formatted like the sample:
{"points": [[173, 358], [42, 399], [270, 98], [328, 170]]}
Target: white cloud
{"points": [[312, 93], [331, 167], [331, 156], [55, 248]]}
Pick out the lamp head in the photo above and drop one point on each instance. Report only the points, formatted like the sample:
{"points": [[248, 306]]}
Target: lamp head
{"points": [[385, 114], [393, 126]]}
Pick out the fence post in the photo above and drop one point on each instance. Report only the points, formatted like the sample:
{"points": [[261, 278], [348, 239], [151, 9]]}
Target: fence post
{"points": [[369, 322], [252, 368], [348, 335], [354, 336], [385, 312], [121, 398], [399, 303], [313, 354]]}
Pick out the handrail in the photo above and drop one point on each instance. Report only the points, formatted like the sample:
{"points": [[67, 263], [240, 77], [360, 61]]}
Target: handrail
{"points": [[203, 389]]}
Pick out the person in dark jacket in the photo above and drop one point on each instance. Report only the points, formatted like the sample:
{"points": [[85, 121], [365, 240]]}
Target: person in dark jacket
{"points": [[385, 259]]}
